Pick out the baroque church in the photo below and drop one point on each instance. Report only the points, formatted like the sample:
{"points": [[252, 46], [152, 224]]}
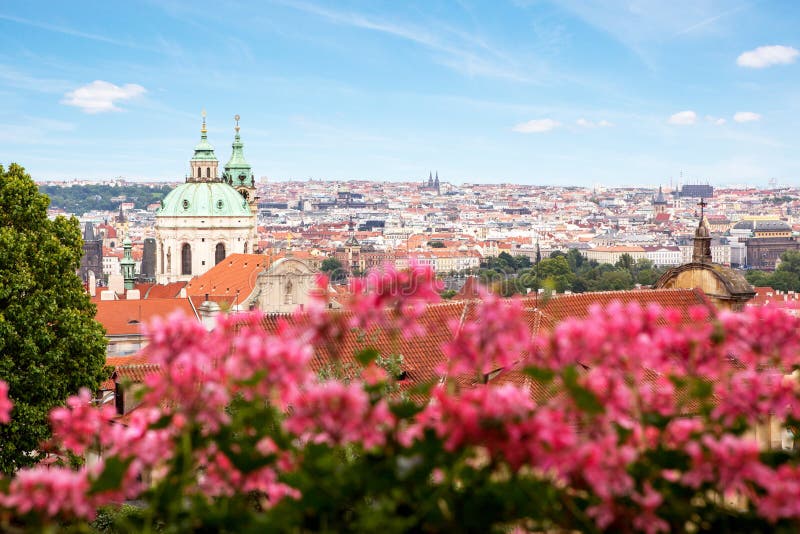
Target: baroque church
{"points": [[208, 217]]}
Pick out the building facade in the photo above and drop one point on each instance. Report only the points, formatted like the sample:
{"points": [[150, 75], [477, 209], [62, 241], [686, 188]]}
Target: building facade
{"points": [[208, 217]]}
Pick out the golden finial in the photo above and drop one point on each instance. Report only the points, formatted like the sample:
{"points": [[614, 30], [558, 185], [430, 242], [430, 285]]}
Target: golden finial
{"points": [[203, 129], [236, 118]]}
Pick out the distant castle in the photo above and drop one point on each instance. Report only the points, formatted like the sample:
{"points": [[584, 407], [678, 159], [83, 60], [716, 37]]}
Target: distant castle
{"points": [[432, 184]]}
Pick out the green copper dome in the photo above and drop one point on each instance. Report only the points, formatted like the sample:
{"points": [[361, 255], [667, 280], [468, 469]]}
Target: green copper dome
{"points": [[204, 199]]}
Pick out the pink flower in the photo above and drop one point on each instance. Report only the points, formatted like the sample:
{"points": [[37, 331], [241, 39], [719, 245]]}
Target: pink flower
{"points": [[496, 337], [334, 413], [5, 404], [53, 491], [80, 424]]}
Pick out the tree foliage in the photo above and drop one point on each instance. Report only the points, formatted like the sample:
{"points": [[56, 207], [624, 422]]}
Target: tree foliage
{"points": [[50, 344], [79, 199], [508, 275], [334, 269], [786, 276]]}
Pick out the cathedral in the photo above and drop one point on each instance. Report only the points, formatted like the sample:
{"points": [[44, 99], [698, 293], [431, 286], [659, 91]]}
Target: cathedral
{"points": [[208, 217]]}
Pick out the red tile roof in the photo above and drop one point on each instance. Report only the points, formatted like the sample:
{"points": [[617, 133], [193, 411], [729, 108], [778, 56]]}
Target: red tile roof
{"points": [[125, 317], [164, 291], [236, 273]]}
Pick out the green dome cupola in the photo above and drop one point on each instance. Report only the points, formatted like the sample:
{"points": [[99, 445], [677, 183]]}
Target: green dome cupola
{"points": [[204, 162], [238, 172]]}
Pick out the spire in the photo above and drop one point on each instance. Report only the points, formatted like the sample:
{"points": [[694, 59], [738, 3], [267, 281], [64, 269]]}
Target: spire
{"points": [[238, 172], [203, 151], [204, 162], [702, 238], [88, 232]]}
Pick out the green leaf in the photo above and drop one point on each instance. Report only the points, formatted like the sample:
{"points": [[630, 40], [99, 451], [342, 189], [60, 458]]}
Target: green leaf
{"points": [[540, 374], [405, 409], [111, 477], [367, 356], [584, 399], [701, 389]]}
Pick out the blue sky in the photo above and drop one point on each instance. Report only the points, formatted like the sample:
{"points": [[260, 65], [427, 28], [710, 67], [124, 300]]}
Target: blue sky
{"points": [[578, 92]]}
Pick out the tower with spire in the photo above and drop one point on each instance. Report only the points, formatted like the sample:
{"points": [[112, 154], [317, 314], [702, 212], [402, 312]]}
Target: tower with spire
{"points": [[127, 264], [659, 203], [205, 219], [204, 164], [702, 238], [238, 173]]}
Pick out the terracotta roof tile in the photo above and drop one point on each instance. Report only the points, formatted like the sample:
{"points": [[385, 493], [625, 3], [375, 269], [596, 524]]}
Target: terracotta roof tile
{"points": [[164, 291], [236, 273], [125, 317]]}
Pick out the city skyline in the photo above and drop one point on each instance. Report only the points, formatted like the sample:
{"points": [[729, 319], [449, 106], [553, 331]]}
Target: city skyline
{"points": [[562, 93]]}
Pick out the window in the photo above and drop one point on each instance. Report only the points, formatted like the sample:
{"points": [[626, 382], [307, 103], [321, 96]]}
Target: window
{"points": [[162, 258], [199, 172], [219, 253], [208, 172], [185, 204], [186, 259], [245, 248]]}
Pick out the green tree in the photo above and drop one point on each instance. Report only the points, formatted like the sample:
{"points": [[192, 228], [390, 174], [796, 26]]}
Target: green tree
{"points": [[784, 281], [333, 269], [626, 262], [790, 262], [554, 273], [614, 281], [575, 259], [758, 278], [50, 344]]}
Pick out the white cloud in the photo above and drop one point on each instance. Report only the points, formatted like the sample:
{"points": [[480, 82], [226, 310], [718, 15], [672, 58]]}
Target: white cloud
{"points": [[100, 96], [746, 116], [764, 56], [683, 118], [719, 121], [536, 126], [583, 123]]}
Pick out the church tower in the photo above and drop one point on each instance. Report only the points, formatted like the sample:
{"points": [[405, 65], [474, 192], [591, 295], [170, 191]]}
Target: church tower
{"points": [[127, 264], [203, 220], [238, 173], [702, 239], [203, 165], [659, 203]]}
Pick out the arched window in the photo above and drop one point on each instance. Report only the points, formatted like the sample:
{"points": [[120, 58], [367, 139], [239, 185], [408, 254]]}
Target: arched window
{"points": [[219, 253], [199, 172], [245, 247], [186, 259], [208, 172], [161, 263]]}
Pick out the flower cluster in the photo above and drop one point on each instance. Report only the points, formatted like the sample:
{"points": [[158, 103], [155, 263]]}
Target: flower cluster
{"points": [[638, 418]]}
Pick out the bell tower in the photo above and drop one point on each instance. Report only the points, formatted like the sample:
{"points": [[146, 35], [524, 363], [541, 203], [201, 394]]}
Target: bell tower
{"points": [[203, 164], [238, 173]]}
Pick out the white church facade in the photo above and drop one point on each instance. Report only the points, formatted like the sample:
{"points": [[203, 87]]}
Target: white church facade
{"points": [[208, 217]]}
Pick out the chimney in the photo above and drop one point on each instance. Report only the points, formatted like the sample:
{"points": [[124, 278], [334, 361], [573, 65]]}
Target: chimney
{"points": [[208, 311], [92, 283]]}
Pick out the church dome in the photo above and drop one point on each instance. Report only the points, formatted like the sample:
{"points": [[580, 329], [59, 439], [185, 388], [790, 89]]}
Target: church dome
{"points": [[204, 199]]}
